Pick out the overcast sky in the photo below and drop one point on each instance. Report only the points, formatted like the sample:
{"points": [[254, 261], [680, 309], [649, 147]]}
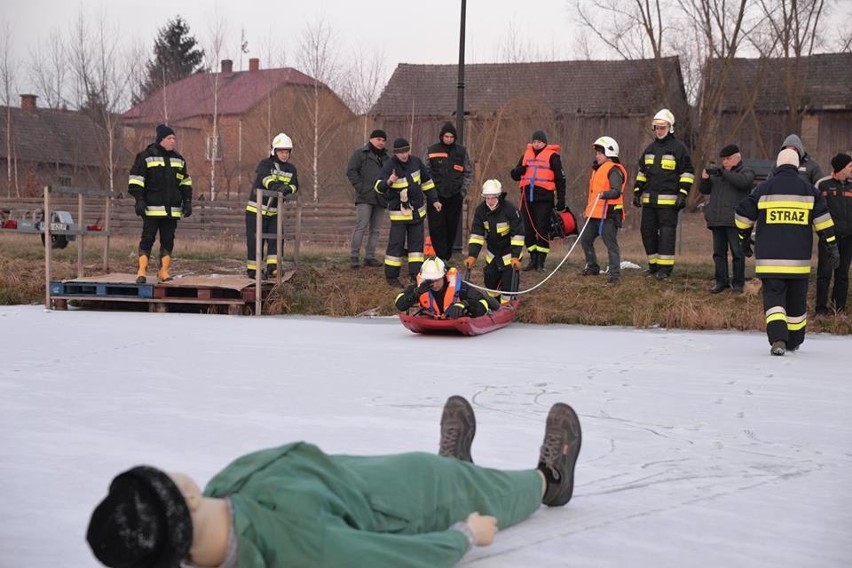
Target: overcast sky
{"points": [[403, 32]]}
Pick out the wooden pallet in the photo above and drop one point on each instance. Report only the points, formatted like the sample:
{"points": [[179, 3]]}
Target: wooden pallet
{"points": [[236, 293]]}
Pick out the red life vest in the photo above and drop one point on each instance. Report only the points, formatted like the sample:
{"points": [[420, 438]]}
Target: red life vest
{"points": [[600, 182], [538, 168], [427, 299]]}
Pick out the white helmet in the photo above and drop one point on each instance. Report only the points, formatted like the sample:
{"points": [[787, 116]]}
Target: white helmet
{"points": [[492, 188], [664, 118], [281, 142], [432, 269], [609, 145]]}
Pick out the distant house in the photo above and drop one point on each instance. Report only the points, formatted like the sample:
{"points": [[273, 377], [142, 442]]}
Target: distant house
{"points": [[49, 147], [767, 99], [248, 108], [574, 102]]}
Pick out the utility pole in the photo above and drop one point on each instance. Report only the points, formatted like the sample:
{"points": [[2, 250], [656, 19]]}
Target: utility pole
{"points": [[460, 99]]}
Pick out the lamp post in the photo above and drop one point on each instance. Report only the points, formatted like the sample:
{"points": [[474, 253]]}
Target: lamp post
{"points": [[460, 96]]}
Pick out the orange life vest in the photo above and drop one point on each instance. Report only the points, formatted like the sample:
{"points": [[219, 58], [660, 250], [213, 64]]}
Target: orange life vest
{"points": [[600, 182], [427, 299], [538, 168]]}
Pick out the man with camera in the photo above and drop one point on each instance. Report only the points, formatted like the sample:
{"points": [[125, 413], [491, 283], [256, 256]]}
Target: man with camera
{"points": [[726, 185]]}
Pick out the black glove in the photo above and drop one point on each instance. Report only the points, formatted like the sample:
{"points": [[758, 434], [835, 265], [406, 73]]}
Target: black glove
{"points": [[680, 202], [745, 243], [140, 207], [423, 287], [455, 311], [187, 208], [637, 200], [833, 256], [518, 172]]}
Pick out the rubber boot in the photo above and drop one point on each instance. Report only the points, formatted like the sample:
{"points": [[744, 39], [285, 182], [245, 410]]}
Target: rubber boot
{"points": [[542, 256], [533, 263], [163, 273], [143, 269]]}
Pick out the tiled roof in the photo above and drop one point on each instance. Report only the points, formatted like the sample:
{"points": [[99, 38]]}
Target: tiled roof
{"points": [[52, 137], [826, 78], [569, 87], [193, 96]]}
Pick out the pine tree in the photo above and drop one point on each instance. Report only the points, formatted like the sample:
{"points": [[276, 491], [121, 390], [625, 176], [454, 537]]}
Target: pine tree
{"points": [[176, 55]]}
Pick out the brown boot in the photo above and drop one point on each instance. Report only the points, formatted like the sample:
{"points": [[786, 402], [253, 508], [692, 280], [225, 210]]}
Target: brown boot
{"points": [[163, 273], [143, 269]]}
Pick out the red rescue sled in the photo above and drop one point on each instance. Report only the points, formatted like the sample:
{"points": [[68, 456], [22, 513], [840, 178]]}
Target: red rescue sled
{"points": [[462, 326]]}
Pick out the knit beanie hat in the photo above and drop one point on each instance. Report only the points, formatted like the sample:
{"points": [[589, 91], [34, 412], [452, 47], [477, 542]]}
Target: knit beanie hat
{"points": [[162, 132], [448, 127], [787, 156], [729, 151], [539, 135], [143, 522], [840, 161], [401, 145], [378, 133]]}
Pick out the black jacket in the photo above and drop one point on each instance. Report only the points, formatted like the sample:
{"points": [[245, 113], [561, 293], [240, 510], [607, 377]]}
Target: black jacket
{"points": [[450, 169], [726, 191], [783, 208], [159, 178], [501, 231], [665, 170], [413, 176], [363, 170], [838, 196], [273, 175]]}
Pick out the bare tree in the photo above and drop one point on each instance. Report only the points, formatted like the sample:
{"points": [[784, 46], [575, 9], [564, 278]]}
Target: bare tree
{"points": [[49, 70], [633, 29], [218, 37], [318, 58], [7, 78], [363, 85]]}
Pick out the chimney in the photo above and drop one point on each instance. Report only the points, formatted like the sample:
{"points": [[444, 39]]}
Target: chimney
{"points": [[254, 64], [227, 66], [28, 102]]}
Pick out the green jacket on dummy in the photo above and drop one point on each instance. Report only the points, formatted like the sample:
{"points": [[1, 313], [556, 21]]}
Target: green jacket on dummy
{"points": [[296, 506]]}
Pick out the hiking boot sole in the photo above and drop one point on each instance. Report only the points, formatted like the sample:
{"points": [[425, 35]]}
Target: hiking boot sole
{"points": [[458, 427], [559, 451]]}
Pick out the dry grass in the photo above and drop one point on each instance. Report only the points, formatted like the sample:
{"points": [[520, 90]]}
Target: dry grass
{"points": [[325, 285]]}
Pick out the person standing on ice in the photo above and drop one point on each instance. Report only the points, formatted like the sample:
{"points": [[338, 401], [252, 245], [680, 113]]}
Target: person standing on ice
{"points": [[783, 209], [297, 506], [442, 294], [497, 225]]}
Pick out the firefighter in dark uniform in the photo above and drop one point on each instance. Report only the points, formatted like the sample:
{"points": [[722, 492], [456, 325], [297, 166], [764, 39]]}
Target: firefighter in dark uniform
{"points": [[406, 185], [837, 190], [540, 176], [497, 225], [442, 294], [450, 169], [163, 191], [783, 208], [274, 173], [663, 182]]}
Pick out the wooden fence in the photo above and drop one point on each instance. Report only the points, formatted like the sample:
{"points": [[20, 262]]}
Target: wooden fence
{"points": [[328, 225]]}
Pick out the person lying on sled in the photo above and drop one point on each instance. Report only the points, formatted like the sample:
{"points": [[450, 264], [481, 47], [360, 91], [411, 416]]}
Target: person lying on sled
{"points": [[442, 294]]}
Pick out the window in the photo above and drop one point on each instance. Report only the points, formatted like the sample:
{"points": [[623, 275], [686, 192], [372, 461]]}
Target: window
{"points": [[213, 151], [64, 181]]}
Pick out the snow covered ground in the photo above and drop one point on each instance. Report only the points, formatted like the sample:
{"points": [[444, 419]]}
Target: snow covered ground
{"points": [[700, 449]]}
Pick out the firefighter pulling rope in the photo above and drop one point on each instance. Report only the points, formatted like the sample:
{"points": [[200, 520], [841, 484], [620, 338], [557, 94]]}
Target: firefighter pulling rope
{"points": [[503, 243]]}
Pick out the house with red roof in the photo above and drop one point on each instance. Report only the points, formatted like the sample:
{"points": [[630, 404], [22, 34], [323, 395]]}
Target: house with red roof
{"points": [[224, 122]]}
